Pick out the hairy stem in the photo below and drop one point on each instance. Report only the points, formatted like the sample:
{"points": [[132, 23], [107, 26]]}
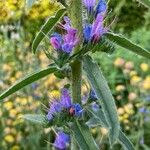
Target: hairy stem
{"points": [[75, 13]]}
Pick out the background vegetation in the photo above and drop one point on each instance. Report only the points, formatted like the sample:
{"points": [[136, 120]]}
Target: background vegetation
{"points": [[128, 77]]}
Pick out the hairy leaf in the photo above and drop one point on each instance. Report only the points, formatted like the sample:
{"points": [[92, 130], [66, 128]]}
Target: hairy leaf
{"points": [[47, 27], [28, 80], [145, 3], [125, 43], [125, 141], [99, 84], [98, 119], [83, 136], [40, 119]]}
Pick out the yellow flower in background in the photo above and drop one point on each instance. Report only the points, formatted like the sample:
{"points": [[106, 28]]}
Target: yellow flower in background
{"points": [[18, 74], [146, 83], [8, 105], [9, 138], [119, 62], [120, 88], [7, 67], [132, 96], [133, 73], [129, 65], [135, 79], [13, 113], [23, 101], [120, 111], [144, 67], [15, 147], [12, 79], [55, 94], [104, 131]]}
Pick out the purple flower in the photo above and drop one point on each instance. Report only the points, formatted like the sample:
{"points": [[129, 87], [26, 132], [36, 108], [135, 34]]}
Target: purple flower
{"points": [[65, 98], [56, 41], [62, 141], [89, 4], [101, 7], [97, 28], [68, 41], [55, 108]]}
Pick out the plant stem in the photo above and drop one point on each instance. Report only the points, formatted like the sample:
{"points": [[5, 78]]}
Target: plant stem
{"points": [[75, 13]]}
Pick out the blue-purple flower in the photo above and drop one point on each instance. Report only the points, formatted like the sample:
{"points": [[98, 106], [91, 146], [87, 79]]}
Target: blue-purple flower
{"points": [[62, 141], [65, 43], [64, 104], [65, 98], [93, 32], [55, 107], [101, 7], [89, 4], [76, 110]]}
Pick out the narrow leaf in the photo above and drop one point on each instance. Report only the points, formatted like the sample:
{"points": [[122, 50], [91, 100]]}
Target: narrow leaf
{"points": [[28, 80], [125, 141], [40, 119], [99, 84], [97, 118], [29, 3], [145, 3], [83, 136], [100, 120], [125, 43], [47, 27]]}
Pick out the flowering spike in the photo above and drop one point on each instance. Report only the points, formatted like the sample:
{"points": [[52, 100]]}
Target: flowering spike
{"points": [[62, 141]]}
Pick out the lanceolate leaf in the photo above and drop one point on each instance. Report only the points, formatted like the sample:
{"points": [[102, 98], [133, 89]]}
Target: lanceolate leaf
{"points": [[125, 43], [29, 3], [83, 136], [99, 84], [98, 119], [125, 141], [145, 2], [47, 27], [28, 80], [40, 119]]}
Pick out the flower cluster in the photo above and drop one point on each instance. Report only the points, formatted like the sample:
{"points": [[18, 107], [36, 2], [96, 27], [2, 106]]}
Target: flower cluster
{"points": [[64, 104], [93, 31], [65, 43]]}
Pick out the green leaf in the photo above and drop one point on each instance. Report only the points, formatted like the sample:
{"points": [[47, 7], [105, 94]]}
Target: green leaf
{"points": [[145, 3], [126, 143], [40, 119], [29, 3], [98, 119], [28, 80], [83, 136], [47, 27], [125, 43], [99, 84]]}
